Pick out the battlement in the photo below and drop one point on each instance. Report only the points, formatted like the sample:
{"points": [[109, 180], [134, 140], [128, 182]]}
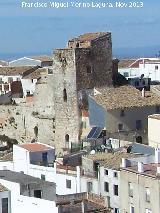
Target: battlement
{"points": [[86, 40]]}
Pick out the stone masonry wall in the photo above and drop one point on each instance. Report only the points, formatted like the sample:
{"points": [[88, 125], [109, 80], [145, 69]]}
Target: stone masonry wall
{"points": [[98, 58], [65, 97]]}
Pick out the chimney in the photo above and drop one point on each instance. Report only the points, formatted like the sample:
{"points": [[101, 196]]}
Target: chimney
{"points": [[140, 167], [157, 155], [124, 163], [78, 179], [143, 92], [158, 170]]}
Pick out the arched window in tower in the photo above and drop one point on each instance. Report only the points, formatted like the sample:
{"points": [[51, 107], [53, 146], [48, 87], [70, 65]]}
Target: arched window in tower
{"points": [[66, 138], [65, 95]]}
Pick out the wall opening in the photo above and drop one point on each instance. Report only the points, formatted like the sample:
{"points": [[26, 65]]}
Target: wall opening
{"points": [[64, 95], [36, 131], [89, 69], [66, 138]]}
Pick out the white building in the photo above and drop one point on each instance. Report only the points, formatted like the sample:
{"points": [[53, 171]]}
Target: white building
{"points": [[5, 199], [106, 166], [99, 173], [41, 61], [29, 193], [153, 130], [27, 75], [132, 68]]}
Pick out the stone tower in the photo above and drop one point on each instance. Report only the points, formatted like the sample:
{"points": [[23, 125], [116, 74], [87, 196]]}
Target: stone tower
{"points": [[85, 63]]}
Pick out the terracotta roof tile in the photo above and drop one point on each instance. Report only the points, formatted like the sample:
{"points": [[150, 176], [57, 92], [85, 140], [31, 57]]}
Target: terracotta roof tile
{"points": [[22, 70], [35, 147], [125, 63], [125, 97], [112, 160], [36, 74]]}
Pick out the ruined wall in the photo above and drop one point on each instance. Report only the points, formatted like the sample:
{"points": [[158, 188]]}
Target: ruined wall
{"points": [[94, 64], [18, 122]]}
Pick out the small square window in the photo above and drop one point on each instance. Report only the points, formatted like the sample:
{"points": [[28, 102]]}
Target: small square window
{"points": [[147, 195], [116, 210], [68, 184], [130, 189], [106, 186], [115, 190], [89, 69], [120, 127], [157, 109], [106, 172], [138, 124], [89, 186], [122, 113], [115, 174], [43, 177], [156, 67], [131, 209]]}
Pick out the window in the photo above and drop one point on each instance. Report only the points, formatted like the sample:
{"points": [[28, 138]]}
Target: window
{"points": [[66, 138], [147, 194], [50, 71], [4, 205], [106, 186], [43, 177], [130, 189], [115, 174], [131, 209], [157, 109], [64, 95], [126, 74], [115, 190], [38, 193], [68, 184], [89, 69], [156, 67], [106, 172], [138, 124], [122, 113], [89, 186], [148, 211], [10, 80], [120, 127], [28, 93], [116, 210]]}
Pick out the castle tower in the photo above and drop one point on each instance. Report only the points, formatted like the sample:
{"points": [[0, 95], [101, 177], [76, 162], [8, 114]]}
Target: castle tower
{"points": [[85, 63]]}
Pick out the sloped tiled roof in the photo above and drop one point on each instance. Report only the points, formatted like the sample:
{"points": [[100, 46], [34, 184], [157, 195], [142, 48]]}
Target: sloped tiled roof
{"points": [[42, 58], [21, 70], [89, 36], [125, 63], [112, 160], [36, 74], [35, 147], [125, 97]]}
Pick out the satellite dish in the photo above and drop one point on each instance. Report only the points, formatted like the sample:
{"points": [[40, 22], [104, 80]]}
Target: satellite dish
{"points": [[93, 152]]}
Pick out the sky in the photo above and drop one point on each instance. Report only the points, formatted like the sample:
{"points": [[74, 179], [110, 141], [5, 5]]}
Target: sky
{"points": [[25, 31]]}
